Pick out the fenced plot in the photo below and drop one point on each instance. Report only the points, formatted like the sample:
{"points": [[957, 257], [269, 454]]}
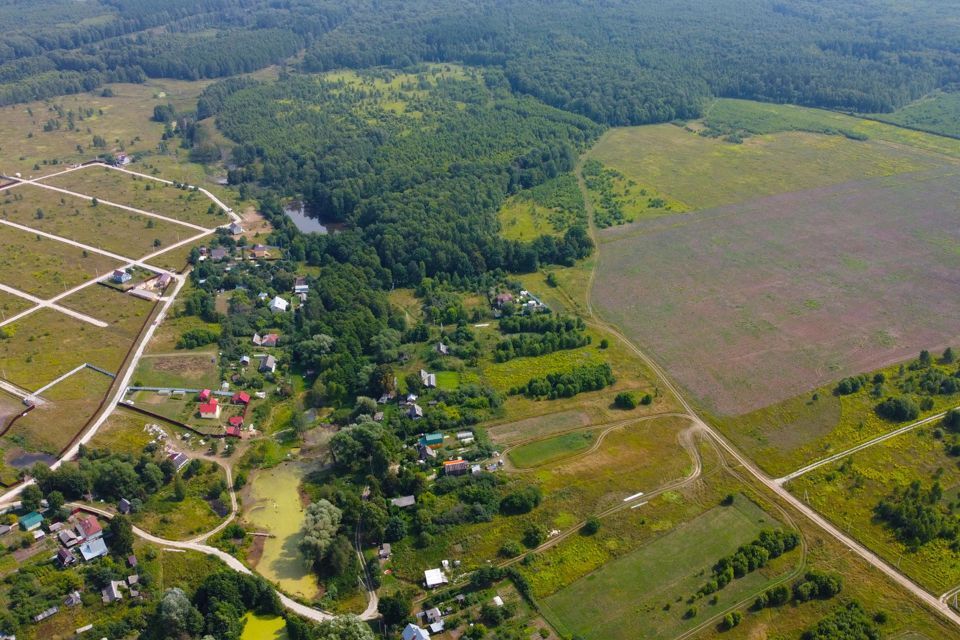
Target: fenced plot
{"points": [[750, 304]]}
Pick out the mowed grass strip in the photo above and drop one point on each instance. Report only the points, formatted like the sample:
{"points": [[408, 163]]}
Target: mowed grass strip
{"points": [[141, 193], [45, 267], [755, 303], [70, 404], [536, 427], [124, 313], [103, 227], [551, 449], [629, 594], [47, 344]]}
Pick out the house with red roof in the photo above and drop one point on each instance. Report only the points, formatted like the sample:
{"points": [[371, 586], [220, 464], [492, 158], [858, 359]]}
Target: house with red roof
{"points": [[233, 432], [89, 529], [240, 398], [205, 395], [210, 410], [236, 421]]}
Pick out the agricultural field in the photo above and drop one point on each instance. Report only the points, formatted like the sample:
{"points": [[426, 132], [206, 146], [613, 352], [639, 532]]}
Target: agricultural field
{"points": [[635, 589], [45, 267], [551, 449], [936, 113], [111, 185], [70, 403], [848, 491], [47, 344], [125, 314], [109, 228], [537, 427], [842, 279]]}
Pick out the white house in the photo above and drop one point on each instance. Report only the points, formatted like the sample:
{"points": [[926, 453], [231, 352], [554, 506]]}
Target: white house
{"points": [[434, 578], [413, 632], [279, 305]]}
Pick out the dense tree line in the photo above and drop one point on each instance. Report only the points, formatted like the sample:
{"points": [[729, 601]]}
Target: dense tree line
{"points": [[568, 384], [849, 622], [769, 544], [527, 345], [541, 323], [916, 515]]}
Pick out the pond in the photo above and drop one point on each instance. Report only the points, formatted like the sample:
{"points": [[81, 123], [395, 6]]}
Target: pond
{"points": [[274, 506], [296, 210], [25, 460], [263, 628]]}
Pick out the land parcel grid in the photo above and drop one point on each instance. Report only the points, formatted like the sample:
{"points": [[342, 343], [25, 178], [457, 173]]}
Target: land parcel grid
{"points": [[146, 194], [101, 226], [781, 294], [45, 267]]}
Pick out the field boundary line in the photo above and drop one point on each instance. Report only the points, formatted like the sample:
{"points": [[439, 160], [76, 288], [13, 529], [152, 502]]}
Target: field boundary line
{"points": [[863, 445], [233, 216], [46, 304], [75, 194]]}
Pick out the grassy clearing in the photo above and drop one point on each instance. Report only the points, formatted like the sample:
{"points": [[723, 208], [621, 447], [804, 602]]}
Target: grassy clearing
{"points": [[11, 304], [537, 427], [190, 371], [502, 376], [70, 404], [164, 516], [699, 172], [551, 449], [46, 344], [448, 380], [126, 314], [790, 434], [848, 493], [632, 459], [123, 433], [45, 267], [522, 219], [142, 193], [936, 113], [635, 589], [102, 226]]}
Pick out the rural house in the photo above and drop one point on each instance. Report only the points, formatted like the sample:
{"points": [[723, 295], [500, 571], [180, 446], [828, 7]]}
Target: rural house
{"points": [[456, 467], [443, 349], [89, 529], [205, 395], [413, 632], [300, 285], [268, 365], [179, 460], [428, 379], [31, 521], [278, 305], [93, 549], [415, 412], [210, 410], [120, 276], [431, 439], [403, 501], [218, 254], [235, 229], [240, 397], [434, 578]]}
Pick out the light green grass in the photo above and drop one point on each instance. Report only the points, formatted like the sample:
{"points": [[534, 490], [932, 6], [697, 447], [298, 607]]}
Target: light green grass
{"points": [[164, 516], [502, 376], [698, 172], [190, 371], [936, 113], [126, 314], [123, 432], [632, 591], [522, 219], [551, 449], [448, 380]]}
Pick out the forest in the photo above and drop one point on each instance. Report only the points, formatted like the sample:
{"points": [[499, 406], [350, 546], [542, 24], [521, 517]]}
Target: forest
{"points": [[616, 62]]}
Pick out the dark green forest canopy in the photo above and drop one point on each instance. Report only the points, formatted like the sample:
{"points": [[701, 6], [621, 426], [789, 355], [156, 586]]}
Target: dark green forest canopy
{"points": [[422, 185], [615, 61]]}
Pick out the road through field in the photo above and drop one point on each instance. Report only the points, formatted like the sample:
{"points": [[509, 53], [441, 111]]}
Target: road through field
{"points": [[927, 598]]}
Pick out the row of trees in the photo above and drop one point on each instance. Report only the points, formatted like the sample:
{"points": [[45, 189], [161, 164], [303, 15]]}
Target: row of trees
{"points": [[568, 384]]}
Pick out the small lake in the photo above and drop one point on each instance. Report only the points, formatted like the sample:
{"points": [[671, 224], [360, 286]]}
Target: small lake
{"points": [[297, 211], [26, 460]]}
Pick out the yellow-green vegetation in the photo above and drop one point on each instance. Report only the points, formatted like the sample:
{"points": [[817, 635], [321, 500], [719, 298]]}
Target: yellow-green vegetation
{"points": [[547, 209], [727, 116], [551, 449], [448, 380], [47, 344], [260, 627], [791, 434], [46, 267], [538, 427], [635, 589], [123, 432], [145, 194], [126, 314], [11, 304], [69, 405], [641, 457], [698, 172], [504, 376], [848, 491], [123, 120], [165, 338], [109, 228], [175, 568], [522, 219], [177, 259], [273, 506], [617, 199], [407, 301], [189, 371], [396, 91], [165, 516], [936, 113]]}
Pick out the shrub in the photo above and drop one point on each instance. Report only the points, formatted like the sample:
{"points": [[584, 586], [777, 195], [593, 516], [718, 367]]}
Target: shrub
{"points": [[731, 620], [534, 535], [646, 399], [591, 526], [511, 549], [899, 409], [625, 400]]}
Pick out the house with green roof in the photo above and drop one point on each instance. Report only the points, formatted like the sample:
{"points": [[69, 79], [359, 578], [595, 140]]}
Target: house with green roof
{"points": [[432, 440], [31, 521]]}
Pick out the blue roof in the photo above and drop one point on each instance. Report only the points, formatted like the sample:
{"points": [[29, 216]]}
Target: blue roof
{"points": [[93, 549], [432, 438], [31, 519]]}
